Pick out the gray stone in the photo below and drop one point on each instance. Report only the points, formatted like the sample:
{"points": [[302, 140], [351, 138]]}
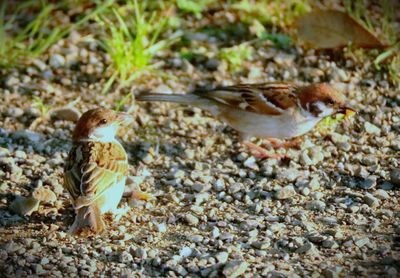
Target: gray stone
{"points": [[332, 272], [361, 242], [201, 198], [176, 174], [212, 64], [191, 219], [311, 156], [215, 233], [305, 191], [307, 248], [317, 195], [285, 192], [222, 257], [328, 220], [57, 61], [163, 89], [180, 270], [235, 268], [226, 236], [331, 244], [277, 227], [4, 152], [24, 205], [316, 205], [261, 245], [251, 163], [153, 253], [12, 81], [367, 183], [381, 194], [219, 185], [15, 112], [371, 128], [386, 185], [140, 253], [234, 188], [371, 201], [67, 113], [185, 252], [125, 257], [339, 74], [369, 160], [314, 184], [395, 177], [289, 174], [344, 146], [161, 227], [189, 154], [20, 154], [200, 187], [38, 269], [28, 135]]}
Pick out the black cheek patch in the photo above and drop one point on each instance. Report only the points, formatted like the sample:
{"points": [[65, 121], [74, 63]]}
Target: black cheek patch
{"points": [[315, 110]]}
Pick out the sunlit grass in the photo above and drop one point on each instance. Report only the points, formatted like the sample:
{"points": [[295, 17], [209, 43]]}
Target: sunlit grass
{"points": [[195, 7], [17, 48], [236, 55], [386, 28], [29, 42], [39, 104], [132, 39]]}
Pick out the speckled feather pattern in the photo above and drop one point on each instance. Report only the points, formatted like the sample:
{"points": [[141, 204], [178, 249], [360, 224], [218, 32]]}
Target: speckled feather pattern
{"points": [[267, 110], [92, 168], [265, 98]]}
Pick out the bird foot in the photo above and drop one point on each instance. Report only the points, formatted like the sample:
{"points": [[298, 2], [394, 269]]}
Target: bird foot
{"points": [[276, 144], [261, 153], [140, 195]]}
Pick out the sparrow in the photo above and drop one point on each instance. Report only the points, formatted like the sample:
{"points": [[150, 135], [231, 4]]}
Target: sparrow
{"points": [[96, 169], [273, 111]]}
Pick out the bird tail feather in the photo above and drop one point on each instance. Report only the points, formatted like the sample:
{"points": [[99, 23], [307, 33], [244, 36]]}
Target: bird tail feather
{"points": [[88, 218], [183, 99]]}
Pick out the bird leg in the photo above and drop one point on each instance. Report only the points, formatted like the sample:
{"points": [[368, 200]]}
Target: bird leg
{"points": [[140, 195], [259, 152], [276, 144]]}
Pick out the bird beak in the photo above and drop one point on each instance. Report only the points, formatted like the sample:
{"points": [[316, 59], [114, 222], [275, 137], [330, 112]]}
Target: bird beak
{"points": [[347, 111], [124, 119]]}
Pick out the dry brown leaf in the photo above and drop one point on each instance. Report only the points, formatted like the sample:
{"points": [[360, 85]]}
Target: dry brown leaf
{"points": [[334, 29]]}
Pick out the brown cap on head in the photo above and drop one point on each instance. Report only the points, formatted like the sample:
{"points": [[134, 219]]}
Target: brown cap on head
{"points": [[92, 119], [321, 92]]}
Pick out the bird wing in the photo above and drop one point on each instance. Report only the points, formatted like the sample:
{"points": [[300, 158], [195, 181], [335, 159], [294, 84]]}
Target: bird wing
{"points": [[265, 98], [92, 168]]}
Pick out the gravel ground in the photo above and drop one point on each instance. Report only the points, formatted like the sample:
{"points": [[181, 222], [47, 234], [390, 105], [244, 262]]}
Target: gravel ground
{"points": [[331, 210]]}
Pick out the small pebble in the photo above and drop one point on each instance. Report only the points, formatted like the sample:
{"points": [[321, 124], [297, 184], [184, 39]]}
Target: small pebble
{"points": [[235, 268], [285, 192]]}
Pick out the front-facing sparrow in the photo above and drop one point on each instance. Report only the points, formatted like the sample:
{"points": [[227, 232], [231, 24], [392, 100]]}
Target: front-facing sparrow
{"points": [[96, 169], [269, 110]]}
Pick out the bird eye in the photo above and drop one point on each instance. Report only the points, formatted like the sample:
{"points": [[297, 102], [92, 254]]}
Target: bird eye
{"points": [[330, 101], [103, 121]]}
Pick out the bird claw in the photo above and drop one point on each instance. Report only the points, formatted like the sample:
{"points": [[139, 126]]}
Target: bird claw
{"points": [[261, 153], [276, 144], [140, 195]]}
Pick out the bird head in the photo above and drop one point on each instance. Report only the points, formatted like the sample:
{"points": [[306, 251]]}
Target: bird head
{"points": [[100, 124], [322, 100]]}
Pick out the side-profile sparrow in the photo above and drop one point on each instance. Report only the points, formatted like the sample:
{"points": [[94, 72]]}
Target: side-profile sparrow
{"points": [[96, 169], [269, 110]]}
